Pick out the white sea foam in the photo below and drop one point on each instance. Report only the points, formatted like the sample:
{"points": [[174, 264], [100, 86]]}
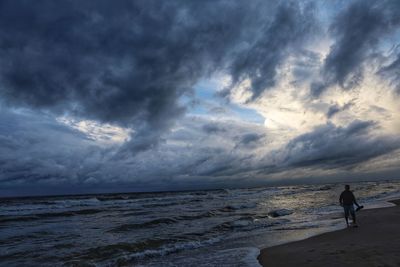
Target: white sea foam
{"points": [[237, 257], [250, 258]]}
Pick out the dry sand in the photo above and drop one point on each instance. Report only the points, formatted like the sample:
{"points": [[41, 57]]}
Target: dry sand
{"points": [[376, 242]]}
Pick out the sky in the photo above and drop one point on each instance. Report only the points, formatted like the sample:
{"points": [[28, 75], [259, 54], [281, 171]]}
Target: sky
{"points": [[100, 96]]}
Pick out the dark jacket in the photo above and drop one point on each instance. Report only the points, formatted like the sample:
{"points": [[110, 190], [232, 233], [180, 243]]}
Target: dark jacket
{"points": [[347, 198]]}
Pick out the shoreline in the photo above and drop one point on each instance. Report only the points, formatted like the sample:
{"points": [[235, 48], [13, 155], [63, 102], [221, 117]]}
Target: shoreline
{"points": [[376, 242]]}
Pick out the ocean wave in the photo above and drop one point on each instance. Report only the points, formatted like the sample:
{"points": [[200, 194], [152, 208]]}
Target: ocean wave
{"points": [[109, 251], [164, 250], [247, 223], [279, 213], [152, 223], [39, 216], [325, 187], [133, 213], [78, 201], [197, 216], [112, 198], [23, 207], [149, 201], [234, 207], [155, 222], [156, 205], [127, 253]]}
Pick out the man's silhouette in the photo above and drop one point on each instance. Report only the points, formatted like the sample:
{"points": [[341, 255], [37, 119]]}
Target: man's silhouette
{"points": [[347, 199]]}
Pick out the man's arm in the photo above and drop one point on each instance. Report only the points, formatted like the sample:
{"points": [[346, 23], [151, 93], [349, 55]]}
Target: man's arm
{"points": [[341, 199]]}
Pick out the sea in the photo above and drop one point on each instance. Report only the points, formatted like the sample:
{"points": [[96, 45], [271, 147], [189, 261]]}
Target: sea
{"points": [[225, 227]]}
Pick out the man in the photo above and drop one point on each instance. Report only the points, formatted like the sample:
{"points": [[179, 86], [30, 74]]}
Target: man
{"points": [[347, 200]]}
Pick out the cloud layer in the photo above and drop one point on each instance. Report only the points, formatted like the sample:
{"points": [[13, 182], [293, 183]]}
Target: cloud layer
{"points": [[101, 95]]}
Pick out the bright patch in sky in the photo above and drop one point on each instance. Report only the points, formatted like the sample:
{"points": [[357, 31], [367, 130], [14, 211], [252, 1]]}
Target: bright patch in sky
{"points": [[103, 133], [208, 102]]}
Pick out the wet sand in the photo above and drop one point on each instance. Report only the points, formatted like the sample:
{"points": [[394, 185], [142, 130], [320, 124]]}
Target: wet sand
{"points": [[375, 243]]}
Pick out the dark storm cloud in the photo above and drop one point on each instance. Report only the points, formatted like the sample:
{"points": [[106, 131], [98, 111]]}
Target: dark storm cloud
{"points": [[41, 154], [218, 154], [356, 32], [31, 151], [334, 146], [129, 62], [134, 64], [46, 154], [290, 26], [125, 63]]}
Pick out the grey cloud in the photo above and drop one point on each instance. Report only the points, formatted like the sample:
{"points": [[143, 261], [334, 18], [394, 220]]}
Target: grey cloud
{"points": [[212, 128], [220, 154], [334, 109], [330, 146], [32, 154], [356, 31], [391, 72], [250, 139], [129, 62], [291, 25], [31, 151], [125, 63], [305, 65]]}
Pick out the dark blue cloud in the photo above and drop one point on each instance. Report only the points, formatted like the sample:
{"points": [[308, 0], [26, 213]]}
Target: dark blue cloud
{"points": [[357, 31], [330, 146], [290, 25], [129, 62], [391, 73]]}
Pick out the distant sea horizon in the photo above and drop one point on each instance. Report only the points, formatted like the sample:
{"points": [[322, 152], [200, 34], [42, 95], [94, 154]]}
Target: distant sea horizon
{"points": [[206, 188]]}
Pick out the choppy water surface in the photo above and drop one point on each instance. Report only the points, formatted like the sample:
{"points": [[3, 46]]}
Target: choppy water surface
{"points": [[197, 228]]}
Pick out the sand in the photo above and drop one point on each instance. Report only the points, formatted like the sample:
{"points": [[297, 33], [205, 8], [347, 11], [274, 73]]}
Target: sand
{"points": [[376, 242]]}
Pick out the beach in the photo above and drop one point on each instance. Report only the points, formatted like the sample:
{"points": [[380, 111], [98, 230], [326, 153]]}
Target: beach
{"points": [[376, 242], [224, 227]]}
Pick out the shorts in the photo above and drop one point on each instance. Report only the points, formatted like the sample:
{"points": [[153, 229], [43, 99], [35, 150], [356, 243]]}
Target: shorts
{"points": [[348, 209]]}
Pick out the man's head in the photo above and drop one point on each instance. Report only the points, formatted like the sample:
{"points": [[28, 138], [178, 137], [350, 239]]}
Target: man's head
{"points": [[347, 187]]}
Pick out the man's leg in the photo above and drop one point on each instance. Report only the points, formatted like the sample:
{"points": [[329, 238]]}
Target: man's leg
{"points": [[346, 214], [353, 214]]}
